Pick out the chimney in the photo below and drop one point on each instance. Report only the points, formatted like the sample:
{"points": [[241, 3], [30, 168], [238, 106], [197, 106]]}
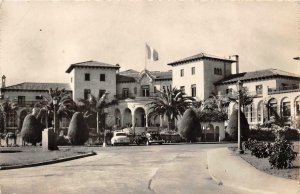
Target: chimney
{"points": [[237, 65], [118, 68], [3, 81]]}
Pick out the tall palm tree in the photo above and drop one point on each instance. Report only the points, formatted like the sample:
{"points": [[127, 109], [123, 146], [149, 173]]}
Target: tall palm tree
{"points": [[65, 106], [171, 103], [92, 105]]}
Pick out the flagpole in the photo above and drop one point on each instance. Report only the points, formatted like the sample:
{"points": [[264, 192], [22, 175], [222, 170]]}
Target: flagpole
{"points": [[145, 55]]}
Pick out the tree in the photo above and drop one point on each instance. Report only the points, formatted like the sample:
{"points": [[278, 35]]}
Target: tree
{"points": [[190, 127], [65, 106], [213, 109], [171, 103], [93, 106], [245, 97], [31, 129], [232, 127], [78, 132], [6, 107]]}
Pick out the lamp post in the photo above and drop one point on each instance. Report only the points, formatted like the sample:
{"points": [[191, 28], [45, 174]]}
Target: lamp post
{"points": [[54, 116], [239, 86]]}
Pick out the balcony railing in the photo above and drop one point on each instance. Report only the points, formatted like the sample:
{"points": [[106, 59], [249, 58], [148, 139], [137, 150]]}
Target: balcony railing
{"points": [[285, 89], [133, 96]]}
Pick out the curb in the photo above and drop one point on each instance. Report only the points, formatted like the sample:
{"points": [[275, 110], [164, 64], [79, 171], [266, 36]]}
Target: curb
{"points": [[47, 162]]}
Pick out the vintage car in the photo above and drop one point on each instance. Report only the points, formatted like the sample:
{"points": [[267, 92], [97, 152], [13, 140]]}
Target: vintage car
{"points": [[120, 138], [154, 138]]}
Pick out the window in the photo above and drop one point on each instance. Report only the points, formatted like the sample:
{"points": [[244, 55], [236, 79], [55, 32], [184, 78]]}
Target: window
{"points": [[260, 108], [259, 89], [217, 71], [101, 92], [87, 77], [286, 108], [39, 97], [125, 92], [145, 90], [272, 107], [21, 100], [193, 70], [182, 88], [297, 106], [87, 93], [102, 77], [155, 89], [135, 90], [181, 72], [193, 87], [229, 91]]}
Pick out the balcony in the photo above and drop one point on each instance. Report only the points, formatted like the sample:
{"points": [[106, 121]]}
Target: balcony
{"points": [[134, 96], [285, 89]]}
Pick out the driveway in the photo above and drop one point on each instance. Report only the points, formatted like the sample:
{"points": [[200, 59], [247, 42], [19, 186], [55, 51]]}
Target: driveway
{"points": [[125, 169]]}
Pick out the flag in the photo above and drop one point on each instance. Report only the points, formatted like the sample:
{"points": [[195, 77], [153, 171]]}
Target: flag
{"points": [[152, 54]]}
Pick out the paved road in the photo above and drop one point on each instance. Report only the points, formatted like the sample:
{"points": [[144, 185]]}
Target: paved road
{"points": [[133, 169]]}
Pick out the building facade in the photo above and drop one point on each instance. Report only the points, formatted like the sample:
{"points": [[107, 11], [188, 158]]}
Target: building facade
{"points": [[198, 76]]}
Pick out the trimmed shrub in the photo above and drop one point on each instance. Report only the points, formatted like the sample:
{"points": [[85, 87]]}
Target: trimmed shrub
{"points": [[258, 149], [31, 131], [232, 127], [190, 128], [282, 154], [262, 135], [78, 132]]}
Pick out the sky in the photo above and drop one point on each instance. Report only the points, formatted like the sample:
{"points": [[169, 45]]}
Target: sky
{"points": [[39, 40]]}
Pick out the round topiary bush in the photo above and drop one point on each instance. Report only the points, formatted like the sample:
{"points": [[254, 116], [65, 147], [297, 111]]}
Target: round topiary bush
{"points": [[31, 131], [78, 132], [232, 127], [190, 128]]}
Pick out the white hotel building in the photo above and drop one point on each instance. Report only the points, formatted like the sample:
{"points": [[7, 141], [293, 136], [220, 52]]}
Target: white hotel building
{"points": [[199, 76]]}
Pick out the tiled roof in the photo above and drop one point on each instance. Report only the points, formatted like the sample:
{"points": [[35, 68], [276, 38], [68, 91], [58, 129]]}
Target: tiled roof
{"points": [[30, 86], [92, 64], [132, 75], [199, 57], [261, 74]]}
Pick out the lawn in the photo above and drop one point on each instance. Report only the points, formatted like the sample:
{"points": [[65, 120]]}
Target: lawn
{"points": [[263, 164], [34, 154]]}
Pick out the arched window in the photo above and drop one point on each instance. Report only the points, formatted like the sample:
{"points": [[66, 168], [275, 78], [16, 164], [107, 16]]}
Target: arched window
{"points": [[297, 106], [260, 108], [250, 113], [272, 107], [286, 107]]}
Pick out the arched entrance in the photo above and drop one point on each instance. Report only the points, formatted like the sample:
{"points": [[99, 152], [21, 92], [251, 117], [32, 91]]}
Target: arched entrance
{"points": [[127, 118], [140, 117], [272, 107]]}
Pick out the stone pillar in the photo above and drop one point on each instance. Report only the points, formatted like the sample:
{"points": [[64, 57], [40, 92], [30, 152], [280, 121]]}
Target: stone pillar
{"points": [[146, 115], [133, 121], [160, 121], [49, 140]]}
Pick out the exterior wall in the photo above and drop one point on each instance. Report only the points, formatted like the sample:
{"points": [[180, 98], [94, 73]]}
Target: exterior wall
{"points": [[29, 96], [94, 84], [210, 77], [188, 79], [144, 81]]}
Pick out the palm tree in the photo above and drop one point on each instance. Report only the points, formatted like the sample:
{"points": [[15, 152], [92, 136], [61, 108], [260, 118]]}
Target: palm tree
{"points": [[171, 103], [245, 97], [64, 107], [92, 105]]}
